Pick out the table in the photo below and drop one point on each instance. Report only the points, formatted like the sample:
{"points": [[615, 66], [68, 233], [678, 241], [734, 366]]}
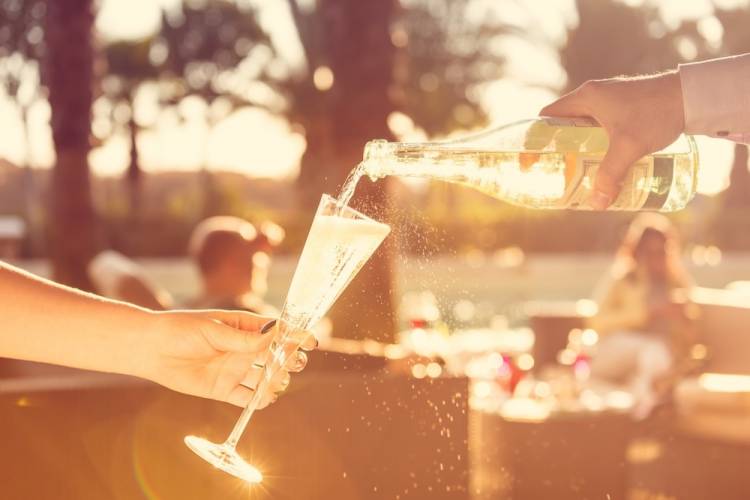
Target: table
{"points": [[350, 435], [552, 322], [562, 456]]}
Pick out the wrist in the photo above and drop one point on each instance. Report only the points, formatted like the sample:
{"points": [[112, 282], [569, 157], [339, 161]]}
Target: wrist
{"points": [[674, 99], [132, 355]]}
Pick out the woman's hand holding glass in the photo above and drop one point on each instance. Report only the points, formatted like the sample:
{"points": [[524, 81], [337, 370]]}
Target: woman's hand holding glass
{"points": [[214, 354]]}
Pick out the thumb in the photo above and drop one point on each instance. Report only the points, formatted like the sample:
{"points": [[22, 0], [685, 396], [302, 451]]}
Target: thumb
{"points": [[570, 104], [620, 156], [228, 339], [238, 319]]}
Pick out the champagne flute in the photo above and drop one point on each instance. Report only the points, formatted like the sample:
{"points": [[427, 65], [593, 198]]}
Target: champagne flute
{"points": [[341, 240]]}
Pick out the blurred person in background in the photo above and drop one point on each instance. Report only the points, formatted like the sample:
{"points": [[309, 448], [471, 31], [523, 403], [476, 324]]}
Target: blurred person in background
{"points": [[115, 276], [644, 114], [212, 354], [644, 321], [233, 257]]}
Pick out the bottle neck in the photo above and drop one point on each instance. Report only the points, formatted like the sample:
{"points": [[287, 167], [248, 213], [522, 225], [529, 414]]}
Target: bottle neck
{"points": [[380, 158], [426, 160]]}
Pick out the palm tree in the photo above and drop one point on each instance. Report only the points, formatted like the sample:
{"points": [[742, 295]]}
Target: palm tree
{"points": [[68, 75], [21, 50], [201, 47], [439, 56], [361, 56], [383, 58], [129, 65]]}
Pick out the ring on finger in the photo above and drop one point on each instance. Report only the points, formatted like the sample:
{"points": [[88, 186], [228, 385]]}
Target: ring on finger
{"points": [[298, 363], [284, 384]]}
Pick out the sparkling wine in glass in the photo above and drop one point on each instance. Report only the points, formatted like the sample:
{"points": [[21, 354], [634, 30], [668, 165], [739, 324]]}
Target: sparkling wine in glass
{"points": [[341, 240]]}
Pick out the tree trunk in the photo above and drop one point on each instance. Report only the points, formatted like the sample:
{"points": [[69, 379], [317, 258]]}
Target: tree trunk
{"points": [[361, 56], [734, 229], [134, 174], [133, 188], [69, 72], [738, 192], [312, 110], [319, 154], [31, 203]]}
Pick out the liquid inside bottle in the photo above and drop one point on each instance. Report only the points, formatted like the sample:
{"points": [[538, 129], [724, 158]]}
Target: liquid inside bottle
{"points": [[546, 163]]}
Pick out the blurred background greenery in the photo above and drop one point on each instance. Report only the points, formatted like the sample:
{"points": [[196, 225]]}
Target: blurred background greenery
{"points": [[126, 122]]}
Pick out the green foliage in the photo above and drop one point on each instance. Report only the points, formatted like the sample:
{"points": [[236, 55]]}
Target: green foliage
{"points": [[445, 55], [131, 61], [442, 55], [202, 49], [612, 38], [207, 40], [21, 40], [218, 51]]}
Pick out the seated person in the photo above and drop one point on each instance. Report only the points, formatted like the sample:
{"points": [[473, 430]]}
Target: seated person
{"points": [[233, 257], [643, 319], [117, 277]]}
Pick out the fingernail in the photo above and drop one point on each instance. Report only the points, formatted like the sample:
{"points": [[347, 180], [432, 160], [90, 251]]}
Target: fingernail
{"points": [[267, 327], [599, 200], [317, 343]]}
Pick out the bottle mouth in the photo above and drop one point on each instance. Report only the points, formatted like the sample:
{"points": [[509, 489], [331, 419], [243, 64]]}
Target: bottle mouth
{"points": [[378, 149]]}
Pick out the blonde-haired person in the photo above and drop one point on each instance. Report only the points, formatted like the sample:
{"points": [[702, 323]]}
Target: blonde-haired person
{"points": [[643, 318]]}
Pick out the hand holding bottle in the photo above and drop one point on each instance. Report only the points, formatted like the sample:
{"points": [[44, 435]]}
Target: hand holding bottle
{"points": [[553, 162], [641, 115]]}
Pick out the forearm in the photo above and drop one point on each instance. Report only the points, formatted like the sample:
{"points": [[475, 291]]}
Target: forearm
{"points": [[45, 322]]}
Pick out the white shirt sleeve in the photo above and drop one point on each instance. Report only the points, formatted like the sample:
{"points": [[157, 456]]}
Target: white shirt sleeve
{"points": [[716, 97]]}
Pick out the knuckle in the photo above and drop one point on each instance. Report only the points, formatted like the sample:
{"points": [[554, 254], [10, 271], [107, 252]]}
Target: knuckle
{"points": [[631, 144], [607, 180], [251, 343], [590, 87], [627, 138]]}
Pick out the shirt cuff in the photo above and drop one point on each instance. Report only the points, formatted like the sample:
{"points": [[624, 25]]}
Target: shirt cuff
{"points": [[716, 97]]}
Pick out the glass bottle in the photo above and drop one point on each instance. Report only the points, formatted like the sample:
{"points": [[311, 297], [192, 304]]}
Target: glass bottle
{"points": [[546, 163]]}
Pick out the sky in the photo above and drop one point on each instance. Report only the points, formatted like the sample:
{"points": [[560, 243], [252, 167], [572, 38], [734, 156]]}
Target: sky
{"points": [[257, 143]]}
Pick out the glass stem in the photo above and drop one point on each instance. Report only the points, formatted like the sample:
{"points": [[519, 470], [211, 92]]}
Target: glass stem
{"points": [[268, 372]]}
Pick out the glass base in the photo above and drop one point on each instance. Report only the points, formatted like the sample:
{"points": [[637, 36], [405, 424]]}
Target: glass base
{"points": [[225, 458]]}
